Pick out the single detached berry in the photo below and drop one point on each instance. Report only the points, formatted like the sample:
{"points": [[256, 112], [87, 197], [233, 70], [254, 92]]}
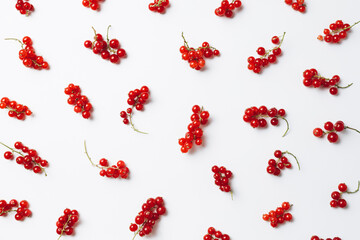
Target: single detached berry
{"points": [[195, 57], [159, 6], [213, 234], [297, 5], [24, 7], [137, 99], [337, 200], [222, 178], [266, 56], [282, 162], [150, 213], [67, 222], [92, 4], [317, 238], [226, 8], [336, 32], [195, 133], [21, 209], [331, 130], [28, 157], [16, 110], [279, 216], [313, 79], [80, 102], [115, 171], [256, 117], [107, 49], [28, 56]]}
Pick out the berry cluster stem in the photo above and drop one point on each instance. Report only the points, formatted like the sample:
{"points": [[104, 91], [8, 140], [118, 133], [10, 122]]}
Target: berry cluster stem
{"points": [[347, 127], [345, 86], [269, 51], [343, 29], [63, 229], [15, 39], [355, 190], [287, 126], [187, 45], [294, 157]]}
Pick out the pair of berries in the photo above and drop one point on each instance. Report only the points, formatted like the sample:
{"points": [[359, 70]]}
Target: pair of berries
{"points": [[22, 209], [115, 171], [282, 162], [137, 99], [93, 4], [317, 238], [195, 57], [195, 133], [332, 130], [151, 211], [222, 176], [267, 56], [28, 56], [279, 216], [28, 157], [297, 5], [256, 117], [108, 50], [159, 6], [66, 222], [312, 78], [16, 110], [25, 8], [226, 8], [336, 32], [215, 235], [336, 196], [80, 102]]}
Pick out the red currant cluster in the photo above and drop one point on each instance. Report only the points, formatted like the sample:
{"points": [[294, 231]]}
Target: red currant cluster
{"points": [[81, 102], [115, 171], [137, 99], [195, 133], [317, 238], [28, 56], [312, 78], [28, 157], [332, 130], [21, 212], [227, 8], [109, 49], [66, 223], [280, 215], [336, 196], [159, 6], [195, 57], [215, 235], [93, 4], [15, 109], [222, 176], [267, 56], [338, 30], [297, 5], [24, 7], [255, 116], [147, 217], [282, 162]]}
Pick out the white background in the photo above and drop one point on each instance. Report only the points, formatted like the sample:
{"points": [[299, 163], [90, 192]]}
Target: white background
{"points": [[158, 168]]}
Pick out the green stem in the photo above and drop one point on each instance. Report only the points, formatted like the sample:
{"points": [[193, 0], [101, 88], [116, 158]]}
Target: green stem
{"points": [[269, 51], [355, 190], [15, 39], [287, 125], [63, 229], [137, 232], [185, 42], [343, 29], [107, 33], [294, 157], [133, 126], [345, 86], [158, 3], [352, 129]]}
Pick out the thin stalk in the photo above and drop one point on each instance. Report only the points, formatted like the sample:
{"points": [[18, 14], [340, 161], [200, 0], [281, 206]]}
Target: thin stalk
{"points": [[294, 157], [287, 125], [63, 229], [345, 86], [269, 51], [355, 190], [346, 127]]}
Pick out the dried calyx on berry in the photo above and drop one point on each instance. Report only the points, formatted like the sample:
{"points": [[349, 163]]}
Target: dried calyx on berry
{"points": [[222, 178], [195, 57], [16, 110], [279, 216], [215, 235], [93, 4], [159, 6], [28, 56], [312, 78], [338, 201], [256, 117], [317, 238], [226, 8], [137, 99], [336, 32], [24, 7], [297, 5], [266, 56], [332, 130], [28, 157], [282, 162], [115, 171], [195, 133], [22, 209], [80, 102], [151, 211], [66, 223]]}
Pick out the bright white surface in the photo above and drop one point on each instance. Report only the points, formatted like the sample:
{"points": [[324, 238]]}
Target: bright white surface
{"points": [[225, 89]]}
